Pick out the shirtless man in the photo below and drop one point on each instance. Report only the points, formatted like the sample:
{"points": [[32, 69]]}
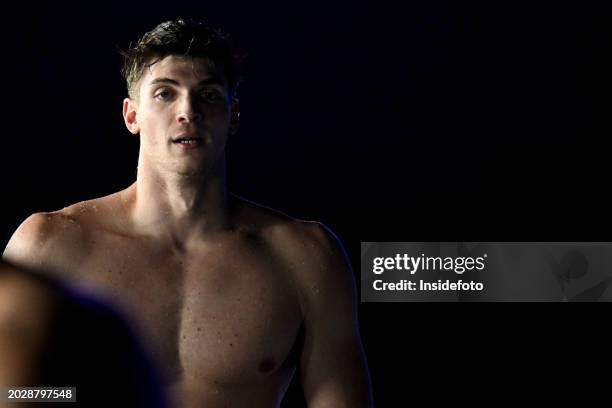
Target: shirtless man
{"points": [[231, 296]]}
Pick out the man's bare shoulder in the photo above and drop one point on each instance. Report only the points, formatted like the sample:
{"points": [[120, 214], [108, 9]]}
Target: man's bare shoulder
{"points": [[45, 238], [309, 246]]}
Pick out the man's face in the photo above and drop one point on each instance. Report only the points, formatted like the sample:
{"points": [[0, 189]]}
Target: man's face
{"points": [[183, 114]]}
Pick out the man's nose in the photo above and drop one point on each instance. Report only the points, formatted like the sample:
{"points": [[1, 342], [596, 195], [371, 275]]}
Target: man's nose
{"points": [[188, 112]]}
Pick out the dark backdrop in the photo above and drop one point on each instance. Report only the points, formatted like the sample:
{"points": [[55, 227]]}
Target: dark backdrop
{"points": [[431, 120]]}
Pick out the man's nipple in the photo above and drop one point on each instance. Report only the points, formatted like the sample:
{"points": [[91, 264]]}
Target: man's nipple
{"points": [[266, 365]]}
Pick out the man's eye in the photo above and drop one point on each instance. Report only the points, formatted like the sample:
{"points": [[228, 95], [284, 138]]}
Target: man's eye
{"points": [[162, 95], [210, 96]]}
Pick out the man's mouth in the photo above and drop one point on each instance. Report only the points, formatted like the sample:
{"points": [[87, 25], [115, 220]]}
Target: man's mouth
{"points": [[194, 140], [188, 140]]}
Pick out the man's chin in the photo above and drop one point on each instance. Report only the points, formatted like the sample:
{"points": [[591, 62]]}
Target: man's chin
{"points": [[194, 166], [191, 171]]}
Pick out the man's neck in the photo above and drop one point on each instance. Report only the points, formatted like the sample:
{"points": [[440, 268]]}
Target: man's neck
{"points": [[176, 206]]}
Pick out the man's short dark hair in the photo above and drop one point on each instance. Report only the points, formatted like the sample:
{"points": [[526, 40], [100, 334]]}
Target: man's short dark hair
{"points": [[187, 38]]}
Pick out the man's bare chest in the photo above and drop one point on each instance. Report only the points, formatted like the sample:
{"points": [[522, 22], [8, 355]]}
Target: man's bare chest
{"points": [[225, 313]]}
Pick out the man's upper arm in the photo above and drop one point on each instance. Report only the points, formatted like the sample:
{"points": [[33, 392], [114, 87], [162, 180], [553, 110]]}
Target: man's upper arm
{"points": [[333, 368]]}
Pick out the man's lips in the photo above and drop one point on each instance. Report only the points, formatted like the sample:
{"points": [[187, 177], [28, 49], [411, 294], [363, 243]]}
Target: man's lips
{"points": [[187, 138]]}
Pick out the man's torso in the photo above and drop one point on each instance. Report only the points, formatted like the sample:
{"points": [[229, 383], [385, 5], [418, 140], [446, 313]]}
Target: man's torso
{"points": [[221, 316]]}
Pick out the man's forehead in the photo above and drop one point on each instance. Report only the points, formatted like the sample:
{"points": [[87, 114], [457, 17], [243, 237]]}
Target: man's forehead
{"points": [[182, 68]]}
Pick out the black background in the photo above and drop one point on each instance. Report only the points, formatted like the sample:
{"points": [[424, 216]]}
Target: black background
{"points": [[430, 120]]}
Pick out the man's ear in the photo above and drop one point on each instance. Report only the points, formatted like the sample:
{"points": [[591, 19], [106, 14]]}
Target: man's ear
{"points": [[129, 116], [235, 116]]}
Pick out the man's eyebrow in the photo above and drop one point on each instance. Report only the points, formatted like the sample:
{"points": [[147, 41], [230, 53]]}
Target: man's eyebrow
{"points": [[207, 81]]}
